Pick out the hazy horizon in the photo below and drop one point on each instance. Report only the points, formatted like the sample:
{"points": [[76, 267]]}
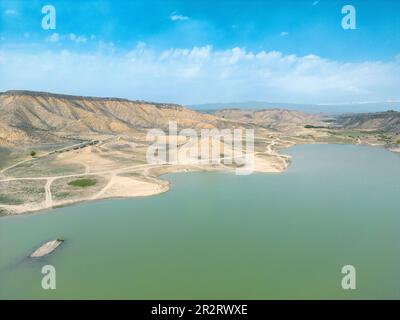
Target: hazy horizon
{"points": [[351, 107]]}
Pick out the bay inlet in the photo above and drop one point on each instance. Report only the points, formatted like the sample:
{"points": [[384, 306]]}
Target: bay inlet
{"points": [[223, 236]]}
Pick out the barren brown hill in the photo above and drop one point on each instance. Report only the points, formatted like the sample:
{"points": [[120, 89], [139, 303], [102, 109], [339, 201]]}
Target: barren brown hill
{"points": [[28, 115], [388, 121], [276, 119]]}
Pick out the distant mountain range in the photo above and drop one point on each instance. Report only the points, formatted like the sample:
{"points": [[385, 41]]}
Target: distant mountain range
{"points": [[30, 116], [361, 107], [277, 119], [42, 117]]}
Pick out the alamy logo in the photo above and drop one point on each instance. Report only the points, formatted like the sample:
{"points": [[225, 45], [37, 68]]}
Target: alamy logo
{"points": [[49, 279], [349, 280], [49, 20], [212, 146], [349, 20]]}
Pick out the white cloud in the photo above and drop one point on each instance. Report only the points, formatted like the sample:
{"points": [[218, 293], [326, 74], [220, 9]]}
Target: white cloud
{"points": [[108, 47], [55, 37], [200, 74], [177, 17], [11, 12], [78, 39], [315, 2], [284, 33]]}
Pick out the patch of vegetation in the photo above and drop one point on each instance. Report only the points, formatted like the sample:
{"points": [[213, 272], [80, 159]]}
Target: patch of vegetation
{"points": [[384, 138], [83, 183], [63, 195], [358, 133], [33, 153], [309, 126], [398, 141], [9, 200]]}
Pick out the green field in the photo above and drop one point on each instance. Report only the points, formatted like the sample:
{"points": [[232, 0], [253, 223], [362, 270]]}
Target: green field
{"points": [[83, 183]]}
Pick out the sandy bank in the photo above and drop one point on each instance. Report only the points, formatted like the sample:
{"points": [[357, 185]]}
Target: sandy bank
{"points": [[46, 248], [146, 182]]}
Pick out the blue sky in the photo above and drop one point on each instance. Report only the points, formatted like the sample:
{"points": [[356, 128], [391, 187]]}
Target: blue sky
{"points": [[204, 51]]}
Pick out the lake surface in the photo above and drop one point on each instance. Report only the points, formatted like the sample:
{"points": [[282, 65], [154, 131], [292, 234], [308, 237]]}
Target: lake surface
{"points": [[222, 236]]}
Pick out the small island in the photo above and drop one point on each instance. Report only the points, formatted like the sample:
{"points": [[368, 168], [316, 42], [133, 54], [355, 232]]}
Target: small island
{"points": [[46, 248]]}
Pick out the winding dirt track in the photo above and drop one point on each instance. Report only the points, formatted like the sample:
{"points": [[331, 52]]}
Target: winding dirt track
{"points": [[49, 198], [114, 172]]}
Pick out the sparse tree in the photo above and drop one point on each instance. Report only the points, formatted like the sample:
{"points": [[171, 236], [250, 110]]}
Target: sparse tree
{"points": [[33, 153]]}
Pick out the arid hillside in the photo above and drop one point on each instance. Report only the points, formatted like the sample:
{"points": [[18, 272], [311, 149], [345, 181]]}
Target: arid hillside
{"points": [[275, 119], [37, 116], [388, 121]]}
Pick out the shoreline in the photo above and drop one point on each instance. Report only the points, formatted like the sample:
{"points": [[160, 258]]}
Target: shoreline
{"points": [[162, 185], [43, 209]]}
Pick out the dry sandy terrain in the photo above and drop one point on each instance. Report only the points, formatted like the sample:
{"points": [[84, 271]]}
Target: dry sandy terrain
{"points": [[118, 168]]}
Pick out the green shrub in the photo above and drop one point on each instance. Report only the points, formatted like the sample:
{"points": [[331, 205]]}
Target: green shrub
{"points": [[309, 126], [83, 183]]}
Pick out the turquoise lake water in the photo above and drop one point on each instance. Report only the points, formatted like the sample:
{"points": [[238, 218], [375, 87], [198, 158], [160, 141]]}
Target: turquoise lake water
{"points": [[222, 236]]}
